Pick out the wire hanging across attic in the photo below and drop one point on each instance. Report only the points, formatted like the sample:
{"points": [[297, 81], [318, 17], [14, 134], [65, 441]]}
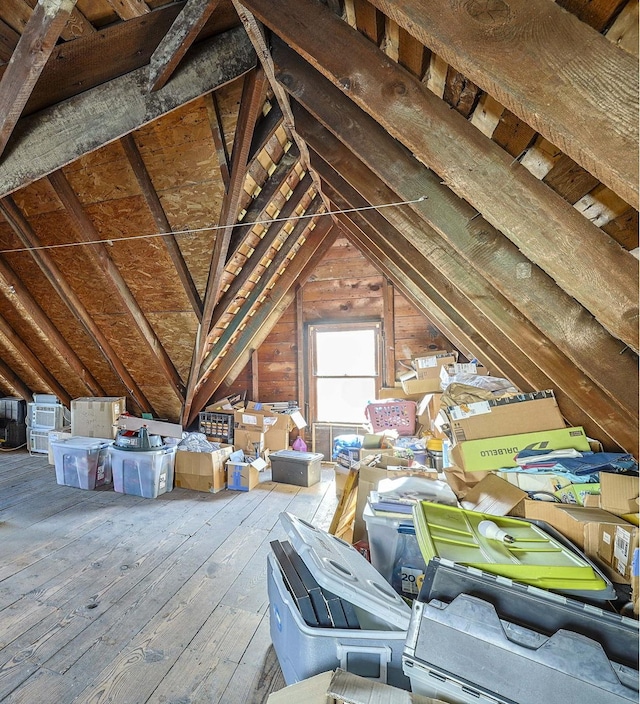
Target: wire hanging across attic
{"points": [[211, 228]]}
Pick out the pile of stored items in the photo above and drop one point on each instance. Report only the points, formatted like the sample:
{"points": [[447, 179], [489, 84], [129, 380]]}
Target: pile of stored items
{"points": [[499, 565], [145, 457]]}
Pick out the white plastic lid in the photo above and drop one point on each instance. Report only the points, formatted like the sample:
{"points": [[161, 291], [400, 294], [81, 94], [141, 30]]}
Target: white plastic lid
{"points": [[82, 443], [340, 568]]}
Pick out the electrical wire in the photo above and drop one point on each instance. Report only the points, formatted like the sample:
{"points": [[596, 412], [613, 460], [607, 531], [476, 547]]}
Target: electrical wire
{"points": [[211, 228]]}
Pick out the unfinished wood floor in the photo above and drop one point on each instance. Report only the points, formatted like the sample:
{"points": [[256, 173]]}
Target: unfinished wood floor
{"points": [[113, 598]]}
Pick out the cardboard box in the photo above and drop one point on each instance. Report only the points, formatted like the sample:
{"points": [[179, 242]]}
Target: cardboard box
{"points": [[155, 427], [420, 387], [429, 367], [616, 546], [391, 392], [384, 452], [53, 436], [341, 687], [244, 476], [275, 439], [251, 442], [619, 493], [202, 471], [95, 416], [462, 482], [569, 520], [494, 453], [526, 413], [493, 495]]}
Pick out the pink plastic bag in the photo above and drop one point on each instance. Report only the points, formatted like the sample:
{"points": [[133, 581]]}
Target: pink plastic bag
{"points": [[299, 445]]}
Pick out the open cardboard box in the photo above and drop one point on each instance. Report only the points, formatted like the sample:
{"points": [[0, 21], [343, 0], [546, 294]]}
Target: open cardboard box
{"points": [[342, 687], [202, 471]]}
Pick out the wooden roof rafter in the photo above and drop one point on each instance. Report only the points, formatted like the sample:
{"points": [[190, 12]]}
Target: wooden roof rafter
{"points": [[15, 381], [87, 232], [532, 350], [17, 292], [279, 298], [253, 96], [507, 197], [29, 239], [217, 132], [28, 60], [177, 40], [537, 297], [152, 200], [34, 363]]}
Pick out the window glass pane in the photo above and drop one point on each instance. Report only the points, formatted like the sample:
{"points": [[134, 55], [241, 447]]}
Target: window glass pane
{"points": [[348, 353], [344, 400]]}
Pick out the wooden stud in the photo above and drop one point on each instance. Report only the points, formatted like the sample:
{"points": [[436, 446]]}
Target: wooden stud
{"points": [[388, 327]]}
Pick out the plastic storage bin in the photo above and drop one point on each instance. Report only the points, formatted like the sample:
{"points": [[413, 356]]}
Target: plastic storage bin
{"points": [[531, 607], [299, 468], [392, 415], [83, 463], [147, 474], [382, 529], [374, 650], [476, 656], [217, 426]]}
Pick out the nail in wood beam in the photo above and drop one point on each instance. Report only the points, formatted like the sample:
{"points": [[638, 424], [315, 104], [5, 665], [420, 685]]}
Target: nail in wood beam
{"points": [[28, 237], [28, 59]]}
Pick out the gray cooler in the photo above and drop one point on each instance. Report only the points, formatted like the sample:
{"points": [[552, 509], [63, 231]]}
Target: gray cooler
{"points": [[374, 650]]}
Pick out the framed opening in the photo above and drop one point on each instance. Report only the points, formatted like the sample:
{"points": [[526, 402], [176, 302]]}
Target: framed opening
{"points": [[344, 361]]}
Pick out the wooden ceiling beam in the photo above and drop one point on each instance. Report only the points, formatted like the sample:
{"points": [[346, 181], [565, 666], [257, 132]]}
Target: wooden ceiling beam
{"points": [[17, 292], [284, 171], [28, 59], [546, 228], [28, 237], [55, 137], [251, 102], [437, 308], [531, 352], [150, 195], [87, 232], [177, 40], [15, 381], [265, 129], [129, 9], [8, 42], [267, 241], [537, 296], [565, 80], [34, 363], [217, 133], [280, 258], [278, 300]]}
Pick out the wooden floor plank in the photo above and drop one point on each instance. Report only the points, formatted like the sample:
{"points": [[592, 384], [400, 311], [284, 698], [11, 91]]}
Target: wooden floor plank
{"points": [[178, 586]]}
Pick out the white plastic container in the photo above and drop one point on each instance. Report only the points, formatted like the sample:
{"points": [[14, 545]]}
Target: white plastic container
{"points": [[382, 529], [147, 474], [83, 463], [374, 650]]}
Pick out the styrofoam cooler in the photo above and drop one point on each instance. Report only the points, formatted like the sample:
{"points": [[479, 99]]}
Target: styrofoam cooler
{"points": [[148, 473], [464, 652], [81, 462], [374, 650]]}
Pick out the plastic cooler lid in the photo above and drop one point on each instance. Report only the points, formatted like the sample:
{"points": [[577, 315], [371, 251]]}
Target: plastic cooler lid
{"points": [[340, 568], [534, 557], [82, 443]]}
